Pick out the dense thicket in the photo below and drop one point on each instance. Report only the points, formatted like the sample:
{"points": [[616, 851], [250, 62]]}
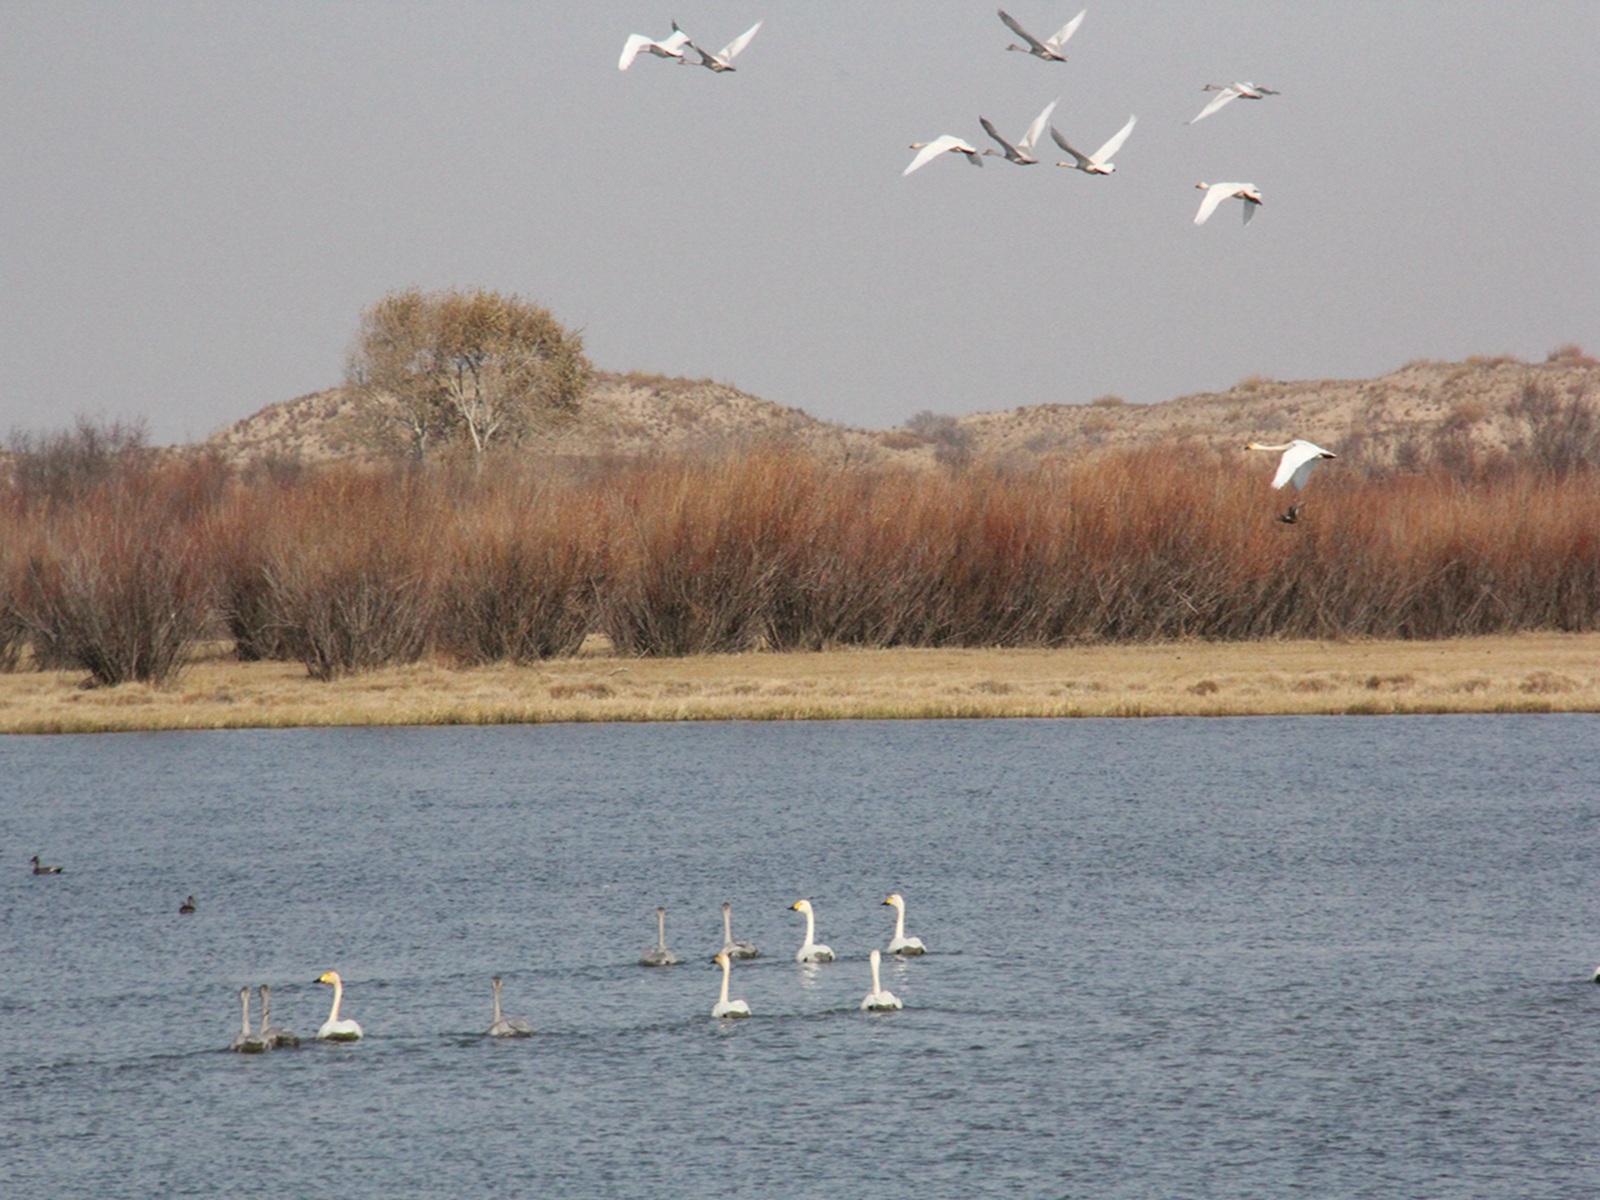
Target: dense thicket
{"points": [[345, 568]]}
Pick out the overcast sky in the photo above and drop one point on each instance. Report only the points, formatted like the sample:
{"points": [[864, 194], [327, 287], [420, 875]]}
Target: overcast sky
{"points": [[198, 200]]}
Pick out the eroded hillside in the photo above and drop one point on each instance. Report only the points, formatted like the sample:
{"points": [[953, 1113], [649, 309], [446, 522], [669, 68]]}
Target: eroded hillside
{"points": [[1425, 412]]}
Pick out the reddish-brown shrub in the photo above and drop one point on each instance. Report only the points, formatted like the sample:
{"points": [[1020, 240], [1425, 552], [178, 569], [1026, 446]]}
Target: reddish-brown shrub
{"points": [[347, 566], [118, 584], [521, 561]]}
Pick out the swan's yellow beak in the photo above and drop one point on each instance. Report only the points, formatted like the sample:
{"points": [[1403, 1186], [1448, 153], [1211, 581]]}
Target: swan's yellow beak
{"points": [[797, 904]]}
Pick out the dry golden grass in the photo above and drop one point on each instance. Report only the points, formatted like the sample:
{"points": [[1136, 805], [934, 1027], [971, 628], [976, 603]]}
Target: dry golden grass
{"points": [[1522, 673]]}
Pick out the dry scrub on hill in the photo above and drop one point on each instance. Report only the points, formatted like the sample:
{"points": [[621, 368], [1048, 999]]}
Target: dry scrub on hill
{"points": [[344, 569]]}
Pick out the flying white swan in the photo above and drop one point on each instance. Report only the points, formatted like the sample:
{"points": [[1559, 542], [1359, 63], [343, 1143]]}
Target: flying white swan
{"points": [[948, 143], [810, 950], [722, 60], [668, 47], [658, 955], [273, 1035], [248, 1042], [879, 1000], [900, 943], [1050, 48], [187, 906], [730, 947], [1230, 91], [333, 1029], [500, 1027], [725, 1007], [38, 870], [1300, 458], [1099, 162], [1022, 152], [1216, 193]]}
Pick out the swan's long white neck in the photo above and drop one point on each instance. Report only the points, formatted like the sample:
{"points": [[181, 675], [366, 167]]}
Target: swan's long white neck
{"points": [[244, 999], [496, 1002], [727, 923], [266, 1009], [727, 970], [899, 921], [811, 927], [338, 995], [876, 986], [661, 929], [1264, 446]]}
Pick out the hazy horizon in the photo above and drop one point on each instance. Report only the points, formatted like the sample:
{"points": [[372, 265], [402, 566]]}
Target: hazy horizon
{"points": [[200, 201]]}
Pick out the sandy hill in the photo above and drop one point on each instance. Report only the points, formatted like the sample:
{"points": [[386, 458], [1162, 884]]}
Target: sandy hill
{"points": [[1422, 411]]}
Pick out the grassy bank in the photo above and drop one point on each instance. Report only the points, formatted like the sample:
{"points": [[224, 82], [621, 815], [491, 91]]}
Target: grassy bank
{"points": [[1538, 672]]}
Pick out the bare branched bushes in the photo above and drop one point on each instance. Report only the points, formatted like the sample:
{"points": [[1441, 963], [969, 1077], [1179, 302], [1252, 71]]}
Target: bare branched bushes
{"points": [[63, 466], [347, 566], [1153, 545], [953, 444], [695, 552], [1563, 430], [119, 584], [13, 572], [356, 569], [521, 564], [344, 569]]}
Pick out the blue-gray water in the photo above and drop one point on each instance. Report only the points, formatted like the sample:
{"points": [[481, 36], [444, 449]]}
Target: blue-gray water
{"points": [[1246, 958]]}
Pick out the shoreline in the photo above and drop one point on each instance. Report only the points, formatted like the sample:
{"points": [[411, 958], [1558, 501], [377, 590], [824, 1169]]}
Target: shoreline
{"points": [[1533, 672]]}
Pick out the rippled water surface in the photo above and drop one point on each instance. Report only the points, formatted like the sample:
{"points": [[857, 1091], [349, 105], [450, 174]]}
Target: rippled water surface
{"points": [[1260, 957]]}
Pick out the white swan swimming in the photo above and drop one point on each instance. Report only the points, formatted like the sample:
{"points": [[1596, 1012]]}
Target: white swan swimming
{"points": [[500, 1027], [668, 47], [1098, 163], [273, 1035], [810, 950], [1300, 458], [1049, 49], [1022, 152], [39, 870], [725, 1007], [900, 943], [658, 955], [730, 947], [1227, 92], [248, 1041], [333, 1029], [878, 999], [722, 60], [1216, 193], [947, 143]]}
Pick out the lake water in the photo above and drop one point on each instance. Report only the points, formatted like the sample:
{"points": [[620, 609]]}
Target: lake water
{"points": [[1246, 958]]}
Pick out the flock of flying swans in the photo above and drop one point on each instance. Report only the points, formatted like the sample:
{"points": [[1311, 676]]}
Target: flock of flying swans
{"points": [[1020, 152], [1098, 163], [343, 1029]]}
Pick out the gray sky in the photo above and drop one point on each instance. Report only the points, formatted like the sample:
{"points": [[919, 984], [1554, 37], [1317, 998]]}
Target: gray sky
{"points": [[198, 200]]}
